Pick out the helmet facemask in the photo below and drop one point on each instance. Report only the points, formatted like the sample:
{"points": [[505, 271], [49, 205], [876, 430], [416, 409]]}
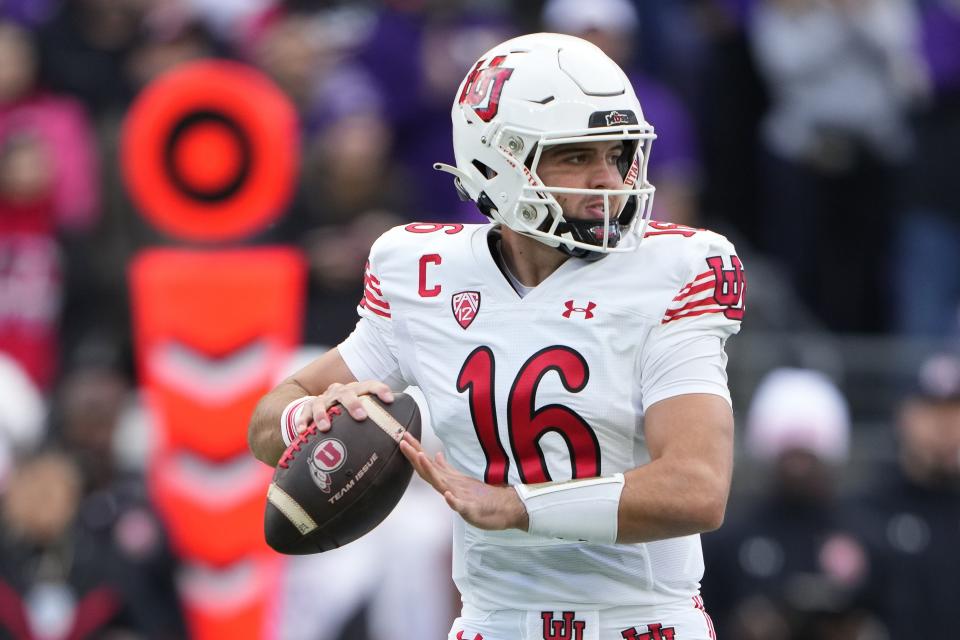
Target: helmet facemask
{"points": [[623, 208]]}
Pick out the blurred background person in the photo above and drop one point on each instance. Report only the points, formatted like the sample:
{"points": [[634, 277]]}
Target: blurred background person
{"points": [[927, 241], [914, 504], [93, 406], [350, 189], [728, 100], [59, 577], [614, 26], [428, 45], [49, 198], [84, 48], [23, 415], [842, 75], [791, 564]]}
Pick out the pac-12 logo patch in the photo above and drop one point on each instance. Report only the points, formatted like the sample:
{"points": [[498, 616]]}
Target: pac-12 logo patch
{"points": [[328, 456], [466, 305]]}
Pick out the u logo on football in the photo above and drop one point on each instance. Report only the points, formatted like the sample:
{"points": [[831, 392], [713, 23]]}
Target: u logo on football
{"points": [[328, 455]]}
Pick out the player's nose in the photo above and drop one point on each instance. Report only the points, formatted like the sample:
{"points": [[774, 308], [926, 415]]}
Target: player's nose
{"points": [[604, 175]]}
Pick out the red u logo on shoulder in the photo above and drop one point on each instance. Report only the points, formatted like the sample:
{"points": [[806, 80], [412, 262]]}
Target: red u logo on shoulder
{"points": [[730, 287]]}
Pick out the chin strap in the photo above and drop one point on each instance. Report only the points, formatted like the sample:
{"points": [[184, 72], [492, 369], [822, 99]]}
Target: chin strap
{"points": [[588, 232]]}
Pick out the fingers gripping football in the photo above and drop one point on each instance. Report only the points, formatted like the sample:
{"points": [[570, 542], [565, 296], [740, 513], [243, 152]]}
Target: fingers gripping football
{"points": [[348, 396]]}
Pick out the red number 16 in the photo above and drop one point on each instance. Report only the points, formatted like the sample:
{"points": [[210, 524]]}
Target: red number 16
{"points": [[527, 424]]}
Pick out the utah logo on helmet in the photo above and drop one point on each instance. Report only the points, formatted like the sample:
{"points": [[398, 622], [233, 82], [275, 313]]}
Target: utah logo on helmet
{"points": [[483, 87]]}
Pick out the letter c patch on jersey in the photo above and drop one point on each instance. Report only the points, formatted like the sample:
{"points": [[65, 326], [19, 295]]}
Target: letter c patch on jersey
{"points": [[466, 305]]}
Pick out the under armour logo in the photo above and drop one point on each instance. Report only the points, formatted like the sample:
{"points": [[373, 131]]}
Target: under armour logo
{"points": [[476, 637], [587, 311]]}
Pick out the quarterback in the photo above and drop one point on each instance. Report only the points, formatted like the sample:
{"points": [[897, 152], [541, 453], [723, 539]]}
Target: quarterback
{"points": [[571, 352]]}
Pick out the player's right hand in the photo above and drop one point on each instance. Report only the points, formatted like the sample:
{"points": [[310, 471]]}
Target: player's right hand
{"points": [[348, 395]]}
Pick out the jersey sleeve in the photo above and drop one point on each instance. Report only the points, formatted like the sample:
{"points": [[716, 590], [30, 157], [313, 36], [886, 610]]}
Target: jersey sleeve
{"points": [[685, 352], [370, 351]]}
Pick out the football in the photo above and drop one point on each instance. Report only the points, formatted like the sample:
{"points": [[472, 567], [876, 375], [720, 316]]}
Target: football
{"points": [[331, 488]]}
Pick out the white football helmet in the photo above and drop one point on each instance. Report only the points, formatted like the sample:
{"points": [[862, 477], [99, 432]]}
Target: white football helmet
{"points": [[533, 92]]}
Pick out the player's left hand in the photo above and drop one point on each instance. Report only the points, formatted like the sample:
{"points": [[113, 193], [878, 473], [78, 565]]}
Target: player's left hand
{"points": [[485, 506]]}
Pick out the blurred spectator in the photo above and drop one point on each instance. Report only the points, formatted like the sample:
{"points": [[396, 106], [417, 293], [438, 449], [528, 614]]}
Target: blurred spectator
{"points": [[170, 37], [842, 74], [22, 415], [228, 18], [613, 25], [286, 50], [58, 122], [85, 47], [29, 13], [311, 57], [916, 509], [417, 55], [58, 578], [49, 193], [792, 565], [38, 555], [729, 101], [336, 254], [928, 267], [115, 510], [350, 190]]}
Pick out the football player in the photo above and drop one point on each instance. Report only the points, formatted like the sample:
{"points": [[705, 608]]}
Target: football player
{"points": [[571, 352]]}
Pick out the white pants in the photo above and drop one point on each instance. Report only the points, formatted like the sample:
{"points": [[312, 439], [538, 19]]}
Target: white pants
{"points": [[684, 620]]}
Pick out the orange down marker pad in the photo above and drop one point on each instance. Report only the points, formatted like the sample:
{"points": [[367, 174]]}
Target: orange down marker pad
{"points": [[210, 151]]}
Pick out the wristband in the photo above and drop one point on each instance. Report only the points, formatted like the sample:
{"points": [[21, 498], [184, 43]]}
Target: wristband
{"points": [[583, 510], [288, 419]]}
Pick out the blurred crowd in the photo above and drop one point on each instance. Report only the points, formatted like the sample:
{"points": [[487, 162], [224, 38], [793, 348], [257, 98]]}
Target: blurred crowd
{"points": [[820, 135]]}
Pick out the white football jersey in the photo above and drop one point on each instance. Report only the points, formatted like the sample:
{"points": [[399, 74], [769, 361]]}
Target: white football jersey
{"points": [[550, 386]]}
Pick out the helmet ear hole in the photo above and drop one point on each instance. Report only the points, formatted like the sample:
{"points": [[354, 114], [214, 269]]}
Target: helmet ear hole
{"points": [[485, 170]]}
